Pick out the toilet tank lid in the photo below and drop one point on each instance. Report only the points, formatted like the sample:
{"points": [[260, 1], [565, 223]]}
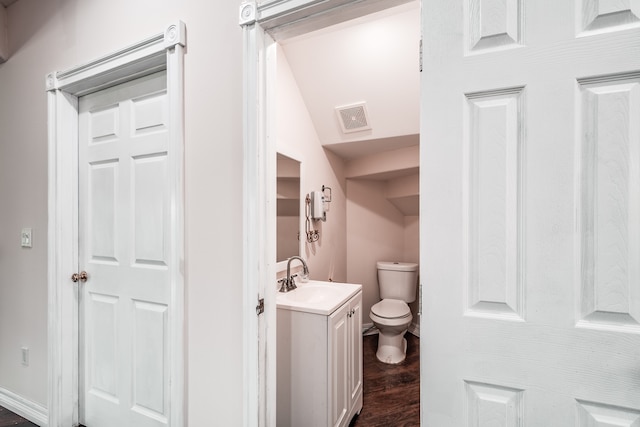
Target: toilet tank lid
{"points": [[397, 266]]}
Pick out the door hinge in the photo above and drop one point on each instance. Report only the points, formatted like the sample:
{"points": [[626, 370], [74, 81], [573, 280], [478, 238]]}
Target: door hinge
{"points": [[260, 306], [420, 55]]}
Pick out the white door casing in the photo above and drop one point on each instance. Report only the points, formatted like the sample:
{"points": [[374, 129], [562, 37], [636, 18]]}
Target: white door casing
{"points": [[259, 228], [124, 245], [164, 51], [262, 24], [530, 196]]}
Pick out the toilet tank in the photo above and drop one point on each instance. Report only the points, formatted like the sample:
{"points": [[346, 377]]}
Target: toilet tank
{"points": [[397, 280]]}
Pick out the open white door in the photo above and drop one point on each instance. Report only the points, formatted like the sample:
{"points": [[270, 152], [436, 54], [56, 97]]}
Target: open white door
{"points": [[530, 211]]}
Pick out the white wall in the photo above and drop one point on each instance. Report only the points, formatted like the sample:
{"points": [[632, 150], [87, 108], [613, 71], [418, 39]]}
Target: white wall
{"points": [[375, 232], [376, 62], [362, 226], [297, 138], [57, 35]]}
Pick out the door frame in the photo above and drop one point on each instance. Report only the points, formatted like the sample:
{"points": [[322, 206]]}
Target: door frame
{"points": [[164, 51], [263, 25]]}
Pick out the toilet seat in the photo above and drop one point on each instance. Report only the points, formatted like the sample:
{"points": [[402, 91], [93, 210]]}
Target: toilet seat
{"points": [[392, 317], [391, 309]]}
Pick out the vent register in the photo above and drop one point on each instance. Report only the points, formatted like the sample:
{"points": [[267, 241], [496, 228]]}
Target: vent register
{"points": [[353, 118]]}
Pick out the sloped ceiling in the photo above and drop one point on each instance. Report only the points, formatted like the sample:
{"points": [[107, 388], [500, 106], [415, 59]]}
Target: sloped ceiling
{"points": [[374, 59]]}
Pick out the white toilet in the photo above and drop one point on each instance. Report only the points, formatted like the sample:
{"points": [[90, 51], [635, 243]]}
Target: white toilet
{"points": [[392, 316]]}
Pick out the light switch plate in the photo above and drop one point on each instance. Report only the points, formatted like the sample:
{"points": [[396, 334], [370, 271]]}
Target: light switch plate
{"points": [[26, 238], [24, 356]]}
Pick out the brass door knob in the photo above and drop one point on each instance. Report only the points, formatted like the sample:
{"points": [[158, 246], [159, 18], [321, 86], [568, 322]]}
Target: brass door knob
{"points": [[79, 277]]}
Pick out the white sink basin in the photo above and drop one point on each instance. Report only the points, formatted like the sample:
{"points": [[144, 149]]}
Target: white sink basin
{"points": [[317, 297]]}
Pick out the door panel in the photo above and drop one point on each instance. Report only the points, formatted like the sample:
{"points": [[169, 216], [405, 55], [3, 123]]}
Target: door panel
{"points": [[149, 221], [491, 190], [530, 213], [103, 205], [339, 354], [103, 346], [609, 202], [124, 238], [149, 371]]}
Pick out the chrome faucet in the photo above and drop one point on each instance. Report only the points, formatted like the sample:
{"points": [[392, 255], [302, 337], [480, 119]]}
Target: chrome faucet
{"points": [[288, 283]]}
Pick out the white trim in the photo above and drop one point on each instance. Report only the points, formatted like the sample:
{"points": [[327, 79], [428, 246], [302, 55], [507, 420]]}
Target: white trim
{"points": [[259, 235], [251, 253], [163, 51], [370, 329], [28, 409], [283, 19], [177, 328]]}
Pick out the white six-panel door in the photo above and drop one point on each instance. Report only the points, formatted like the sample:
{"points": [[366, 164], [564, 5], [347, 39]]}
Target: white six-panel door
{"points": [[124, 243], [530, 213]]}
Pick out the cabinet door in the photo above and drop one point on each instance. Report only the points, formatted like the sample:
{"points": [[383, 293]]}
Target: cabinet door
{"points": [[338, 365], [355, 349]]}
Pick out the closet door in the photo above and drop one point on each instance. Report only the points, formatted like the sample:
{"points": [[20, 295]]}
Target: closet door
{"points": [[124, 248]]}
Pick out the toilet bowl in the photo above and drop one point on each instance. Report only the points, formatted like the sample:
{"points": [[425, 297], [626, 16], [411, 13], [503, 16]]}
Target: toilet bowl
{"points": [[392, 318], [397, 282]]}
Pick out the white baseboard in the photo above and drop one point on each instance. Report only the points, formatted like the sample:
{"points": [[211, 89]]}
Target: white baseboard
{"points": [[32, 411], [369, 329]]}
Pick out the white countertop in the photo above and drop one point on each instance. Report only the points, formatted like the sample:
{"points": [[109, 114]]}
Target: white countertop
{"points": [[317, 297]]}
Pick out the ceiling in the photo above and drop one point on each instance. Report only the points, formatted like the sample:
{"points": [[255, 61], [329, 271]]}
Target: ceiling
{"points": [[7, 3], [372, 59]]}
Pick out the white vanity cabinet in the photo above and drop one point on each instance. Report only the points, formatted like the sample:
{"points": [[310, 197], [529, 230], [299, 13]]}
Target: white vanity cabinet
{"points": [[319, 365]]}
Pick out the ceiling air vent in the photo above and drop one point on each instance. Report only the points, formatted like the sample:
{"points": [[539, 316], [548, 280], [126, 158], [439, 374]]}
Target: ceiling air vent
{"points": [[353, 118]]}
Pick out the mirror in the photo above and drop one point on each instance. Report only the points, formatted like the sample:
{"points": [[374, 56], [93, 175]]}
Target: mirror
{"points": [[288, 208]]}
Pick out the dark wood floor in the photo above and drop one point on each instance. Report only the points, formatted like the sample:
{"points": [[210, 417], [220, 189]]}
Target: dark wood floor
{"points": [[391, 392], [8, 418]]}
